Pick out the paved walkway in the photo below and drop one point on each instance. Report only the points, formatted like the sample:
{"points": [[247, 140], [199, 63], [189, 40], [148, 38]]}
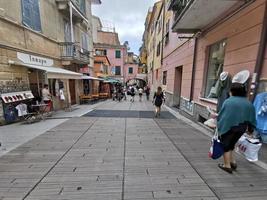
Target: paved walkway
{"points": [[127, 156]]}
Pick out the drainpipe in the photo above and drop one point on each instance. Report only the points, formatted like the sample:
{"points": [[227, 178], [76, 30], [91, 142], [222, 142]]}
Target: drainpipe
{"points": [[71, 23], [260, 58], [163, 28], [193, 69]]}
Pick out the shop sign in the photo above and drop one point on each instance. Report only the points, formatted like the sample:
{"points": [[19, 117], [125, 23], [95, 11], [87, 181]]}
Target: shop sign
{"points": [[34, 60]]}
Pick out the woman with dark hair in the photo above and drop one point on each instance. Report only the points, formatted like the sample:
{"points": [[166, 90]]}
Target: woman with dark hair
{"points": [[235, 118], [157, 100]]}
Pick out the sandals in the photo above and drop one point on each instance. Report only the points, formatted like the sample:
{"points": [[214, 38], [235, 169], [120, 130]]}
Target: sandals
{"points": [[233, 166], [229, 170]]}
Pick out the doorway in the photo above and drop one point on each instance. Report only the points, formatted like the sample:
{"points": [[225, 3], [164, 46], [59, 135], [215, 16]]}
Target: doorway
{"points": [[177, 86], [72, 92]]}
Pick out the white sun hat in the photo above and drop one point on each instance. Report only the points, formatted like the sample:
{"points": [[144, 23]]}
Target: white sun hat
{"points": [[223, 76], [241, 77]]}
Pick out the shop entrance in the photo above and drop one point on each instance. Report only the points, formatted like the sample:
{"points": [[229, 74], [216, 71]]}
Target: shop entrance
{"points": [[177, 85], [72, 91]]}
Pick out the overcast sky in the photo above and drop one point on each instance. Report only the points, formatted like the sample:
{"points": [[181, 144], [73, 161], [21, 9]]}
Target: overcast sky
{"points": [[128, 17]]}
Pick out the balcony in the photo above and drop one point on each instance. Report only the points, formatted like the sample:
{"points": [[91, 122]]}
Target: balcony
{"points": [[78, 8], [73, 53], [191, 16]]}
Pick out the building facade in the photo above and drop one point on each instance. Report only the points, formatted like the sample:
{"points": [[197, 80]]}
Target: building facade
{"points": [[198, 45], [44, 42]]}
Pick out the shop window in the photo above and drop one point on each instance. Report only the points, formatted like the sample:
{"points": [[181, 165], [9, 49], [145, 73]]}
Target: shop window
{"points": [[164, 78], [215, 67], [118, 70], [31, 14], [130, 70], [117, 54]]}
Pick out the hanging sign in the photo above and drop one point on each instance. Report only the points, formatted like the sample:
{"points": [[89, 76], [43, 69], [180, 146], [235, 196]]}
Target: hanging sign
{"points": [[34, 60]]}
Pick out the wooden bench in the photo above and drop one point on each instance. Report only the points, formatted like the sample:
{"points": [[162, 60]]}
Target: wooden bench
{"points": [[103, 95], [84, 98]]}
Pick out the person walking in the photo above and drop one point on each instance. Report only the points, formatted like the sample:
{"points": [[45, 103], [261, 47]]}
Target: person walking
{"points": [[47, 97], [140, 91], [236, 116], [132, 94], [158, 100], [147, 91]]}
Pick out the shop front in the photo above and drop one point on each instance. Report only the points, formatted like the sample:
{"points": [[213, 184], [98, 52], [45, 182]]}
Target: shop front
{"points": [[40, 71]]}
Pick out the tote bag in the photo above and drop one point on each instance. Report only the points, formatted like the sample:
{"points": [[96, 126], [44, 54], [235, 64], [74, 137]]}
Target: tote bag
{"points": [[249, 147], [216, 148]]}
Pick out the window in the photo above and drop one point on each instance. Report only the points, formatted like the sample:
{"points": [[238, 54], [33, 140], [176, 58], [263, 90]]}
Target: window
{"points": [[158, 49], [31, 14], [81, 5], [215, 68], [67, 34], [101, 52], [130, 70], [167, 36], [117, 54], [85, 41], [118, 70], [164, 78], [157, 74]]}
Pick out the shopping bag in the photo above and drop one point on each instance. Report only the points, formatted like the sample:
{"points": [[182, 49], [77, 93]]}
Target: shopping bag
{"points": [[216, 148], [249, 147]]}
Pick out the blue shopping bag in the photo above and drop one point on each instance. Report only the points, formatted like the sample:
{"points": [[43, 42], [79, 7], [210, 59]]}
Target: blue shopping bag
{"points": [[216, 148]]}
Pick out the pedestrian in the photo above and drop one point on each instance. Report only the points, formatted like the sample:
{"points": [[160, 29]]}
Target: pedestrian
{"points": [[132, 94], [236, 116], [147, 91], [140, 91], [158, 100], [47, 97]]}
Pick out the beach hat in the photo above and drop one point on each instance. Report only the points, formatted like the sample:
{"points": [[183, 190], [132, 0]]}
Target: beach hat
{"points": [[241, 77], [223, 76]]}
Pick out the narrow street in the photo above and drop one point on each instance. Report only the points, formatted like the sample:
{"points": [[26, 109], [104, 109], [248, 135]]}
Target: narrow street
{"points": [[120, 151]]}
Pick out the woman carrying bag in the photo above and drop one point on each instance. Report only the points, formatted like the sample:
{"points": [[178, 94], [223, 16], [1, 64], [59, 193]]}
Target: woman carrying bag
{"points": [[236, 116]]}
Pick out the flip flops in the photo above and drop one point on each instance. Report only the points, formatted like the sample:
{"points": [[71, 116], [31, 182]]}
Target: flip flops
{"points": [[233, 166], [228, 170]]}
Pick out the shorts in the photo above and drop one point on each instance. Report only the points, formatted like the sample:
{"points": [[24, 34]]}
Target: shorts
{"points": [[230, 138]]}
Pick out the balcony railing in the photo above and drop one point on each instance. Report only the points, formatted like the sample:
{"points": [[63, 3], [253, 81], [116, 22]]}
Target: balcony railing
{"points": [[74, 53], [178, 7]]}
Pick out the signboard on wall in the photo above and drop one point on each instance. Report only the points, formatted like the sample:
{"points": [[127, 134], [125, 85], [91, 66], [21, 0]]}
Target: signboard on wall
{"points": [[34, 60]]}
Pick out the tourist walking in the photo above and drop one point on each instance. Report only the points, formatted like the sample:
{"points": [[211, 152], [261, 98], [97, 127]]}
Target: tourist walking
{"points": [[236, 116], [158, 100], [147, 91], [132, 94], [140, 91]]}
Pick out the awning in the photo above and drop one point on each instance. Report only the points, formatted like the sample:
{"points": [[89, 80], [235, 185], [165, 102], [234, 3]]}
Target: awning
{"points": [[52, 72], [85, 77]]}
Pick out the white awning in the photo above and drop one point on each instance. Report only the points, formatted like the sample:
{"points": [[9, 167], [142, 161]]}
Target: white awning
{"points": [[52, 72], [91, 78]]}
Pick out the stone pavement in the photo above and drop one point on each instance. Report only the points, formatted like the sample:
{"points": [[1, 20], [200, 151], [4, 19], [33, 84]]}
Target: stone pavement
{"points": [[120, 157]]}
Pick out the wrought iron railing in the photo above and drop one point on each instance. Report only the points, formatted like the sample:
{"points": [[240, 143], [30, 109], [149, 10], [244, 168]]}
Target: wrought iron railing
{"points": [[72, 51], [178, 6]]}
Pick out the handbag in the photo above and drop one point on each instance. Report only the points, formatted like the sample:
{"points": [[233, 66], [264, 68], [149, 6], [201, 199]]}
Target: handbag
{"points": [[216, 148], [249, 147]]}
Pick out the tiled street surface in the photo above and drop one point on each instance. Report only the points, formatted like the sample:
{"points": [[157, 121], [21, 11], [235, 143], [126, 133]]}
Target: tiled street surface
{"points": [[120, 151]]}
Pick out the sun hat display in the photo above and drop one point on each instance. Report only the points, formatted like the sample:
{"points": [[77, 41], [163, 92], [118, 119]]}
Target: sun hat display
{"points": [[223, 76], [241, 77]]}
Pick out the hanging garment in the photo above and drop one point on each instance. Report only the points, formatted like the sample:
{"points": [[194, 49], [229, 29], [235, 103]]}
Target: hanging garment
{"points": [[61, 95], [260, 104], [22, 109], [223, 92]]}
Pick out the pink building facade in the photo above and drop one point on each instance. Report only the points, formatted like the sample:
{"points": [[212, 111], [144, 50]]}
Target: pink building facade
{"points": [[232, 44], [130, 71]]}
